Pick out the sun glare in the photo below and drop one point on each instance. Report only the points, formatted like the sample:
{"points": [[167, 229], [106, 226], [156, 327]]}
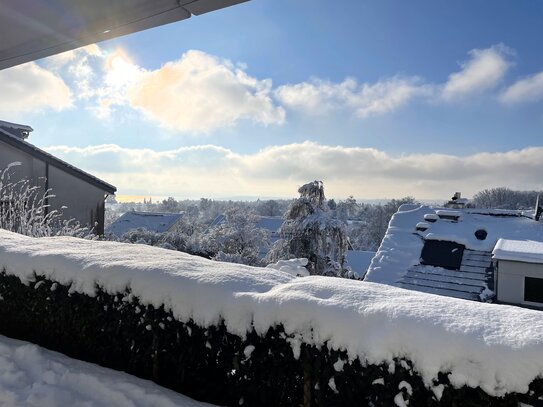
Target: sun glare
{"points": [[120, 69]]}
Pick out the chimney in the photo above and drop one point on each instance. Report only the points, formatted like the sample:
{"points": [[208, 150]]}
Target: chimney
{"points": [[457, 202]]}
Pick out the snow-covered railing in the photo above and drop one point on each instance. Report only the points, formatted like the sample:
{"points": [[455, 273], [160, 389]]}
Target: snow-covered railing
{"points": [[235, 334]]}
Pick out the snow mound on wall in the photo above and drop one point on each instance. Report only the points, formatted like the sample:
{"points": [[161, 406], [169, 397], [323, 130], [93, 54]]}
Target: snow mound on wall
{"points": [[497, 347], [33, 376], [295, 267]]}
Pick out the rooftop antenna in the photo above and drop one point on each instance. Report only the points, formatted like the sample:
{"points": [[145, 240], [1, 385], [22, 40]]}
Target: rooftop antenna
{"points": [[538, 209]]}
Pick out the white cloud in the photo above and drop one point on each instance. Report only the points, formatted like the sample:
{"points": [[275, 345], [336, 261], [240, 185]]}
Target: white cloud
{"points": [[529, 89], [213, 171], [483, 71], [318, 96], [30, 88], [200, 92], [196, 94]]}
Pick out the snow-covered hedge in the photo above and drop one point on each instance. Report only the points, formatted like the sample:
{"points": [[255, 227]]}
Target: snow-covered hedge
{"points": [[232, 334]]}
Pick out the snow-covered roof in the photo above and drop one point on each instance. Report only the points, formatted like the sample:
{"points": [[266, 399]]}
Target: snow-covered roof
{"points": [[398, 260], [271, 223], [527, 251], [496, 347], [151, 221]]}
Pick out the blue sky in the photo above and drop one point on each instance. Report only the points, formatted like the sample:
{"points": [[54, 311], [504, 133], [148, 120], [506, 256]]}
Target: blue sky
{"points": [[379, 99]]}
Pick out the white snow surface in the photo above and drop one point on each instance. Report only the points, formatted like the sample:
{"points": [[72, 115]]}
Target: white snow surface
{"points": [[528, 251], [402, 245], [294, 267], [497, 347], [35, 377]]}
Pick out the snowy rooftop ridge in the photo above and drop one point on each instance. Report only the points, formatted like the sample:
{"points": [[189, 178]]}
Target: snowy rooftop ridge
{"points": [[497, 347], [15, 126], [13, 129]]}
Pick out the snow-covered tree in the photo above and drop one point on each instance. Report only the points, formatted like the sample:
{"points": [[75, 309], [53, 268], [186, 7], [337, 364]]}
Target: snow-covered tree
{"points": [[236, 239], [169, 205], [310, 231], [269, 208], [504, 198], [346, 209], [368, 233]]}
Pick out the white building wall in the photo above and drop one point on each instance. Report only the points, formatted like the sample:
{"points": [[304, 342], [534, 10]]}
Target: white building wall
{"points": [[510, 280]]}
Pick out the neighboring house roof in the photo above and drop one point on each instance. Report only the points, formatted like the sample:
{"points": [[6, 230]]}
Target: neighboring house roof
{"points": [[35, 29], [9, 135], [271, 223], [218, 220], [359, 260], [447, 252], [151, 221]]}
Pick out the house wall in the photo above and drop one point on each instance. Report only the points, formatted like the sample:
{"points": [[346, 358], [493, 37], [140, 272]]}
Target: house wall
{"points": [[510, 280], [84, 202], [31, 167]]}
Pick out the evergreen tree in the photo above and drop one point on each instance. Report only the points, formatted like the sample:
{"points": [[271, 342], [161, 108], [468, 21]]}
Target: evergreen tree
{"points": [[309, 231]]}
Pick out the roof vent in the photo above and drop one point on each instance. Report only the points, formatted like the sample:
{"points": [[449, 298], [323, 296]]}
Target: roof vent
{"points": [[448, 215], [481, 234], [431, 217], [422, 226]]}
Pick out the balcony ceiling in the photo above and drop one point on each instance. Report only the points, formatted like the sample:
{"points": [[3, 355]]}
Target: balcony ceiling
{"points": [[34, 29]]}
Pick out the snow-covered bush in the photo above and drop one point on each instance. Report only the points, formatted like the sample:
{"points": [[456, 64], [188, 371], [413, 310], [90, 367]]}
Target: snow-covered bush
{"points": [[309, 231], [141, 236], [237, 239], [24, 209]]}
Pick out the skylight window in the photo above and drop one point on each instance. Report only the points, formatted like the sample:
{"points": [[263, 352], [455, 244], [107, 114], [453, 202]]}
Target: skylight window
{"points": [[444, 254]]}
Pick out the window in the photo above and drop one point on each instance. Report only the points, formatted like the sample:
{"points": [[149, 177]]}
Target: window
{"points": [[442, 254], [533, 289]]}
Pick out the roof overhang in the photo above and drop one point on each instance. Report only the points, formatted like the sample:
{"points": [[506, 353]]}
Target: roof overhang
{"points": [[19, 143], [34, 29]]}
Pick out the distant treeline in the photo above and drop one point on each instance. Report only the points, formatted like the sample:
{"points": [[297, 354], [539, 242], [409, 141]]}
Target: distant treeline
{"points": [[504, 198]]}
